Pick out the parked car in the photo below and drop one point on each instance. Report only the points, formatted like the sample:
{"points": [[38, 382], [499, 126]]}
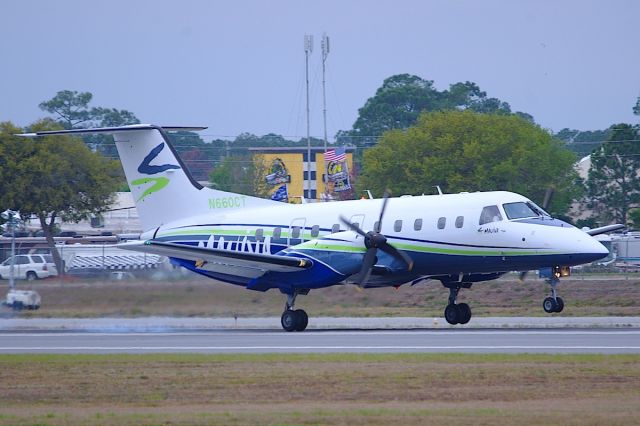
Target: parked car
{"points": [[29, 267]]}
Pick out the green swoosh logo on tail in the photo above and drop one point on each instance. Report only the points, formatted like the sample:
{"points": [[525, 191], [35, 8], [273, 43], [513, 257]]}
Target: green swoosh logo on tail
{"points": [[158, 184]]}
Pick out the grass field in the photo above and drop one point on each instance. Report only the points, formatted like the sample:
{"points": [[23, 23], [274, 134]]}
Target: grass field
{"points": [[203, 297], [336, 389]]}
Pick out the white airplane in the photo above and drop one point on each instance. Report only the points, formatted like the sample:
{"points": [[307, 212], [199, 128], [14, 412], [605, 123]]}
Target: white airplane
{"points": [[458, 239]]}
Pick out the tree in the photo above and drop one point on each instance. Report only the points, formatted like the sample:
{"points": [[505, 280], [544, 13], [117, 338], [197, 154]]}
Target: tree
{"points": [[396, 105], [468, 151], [582, 142], [613, 185], [70, 107], [71, 110], [636, 108], [55, 177], [634, 216], [243, 174], [400, 100]]}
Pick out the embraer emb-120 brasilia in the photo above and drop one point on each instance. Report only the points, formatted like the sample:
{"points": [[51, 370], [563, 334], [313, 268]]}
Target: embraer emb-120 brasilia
{"points": [[457, 239]]}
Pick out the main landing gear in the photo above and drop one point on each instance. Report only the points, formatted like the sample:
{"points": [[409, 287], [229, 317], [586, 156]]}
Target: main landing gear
{"points": [[293, 320], [553, 303], [456, 313]]}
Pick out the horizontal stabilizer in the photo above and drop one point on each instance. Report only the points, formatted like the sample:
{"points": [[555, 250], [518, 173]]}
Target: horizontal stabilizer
{"points": [[113, 130]]}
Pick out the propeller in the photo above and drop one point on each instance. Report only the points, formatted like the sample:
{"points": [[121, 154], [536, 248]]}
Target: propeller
{"points": [[547, 197], [374, 240]]}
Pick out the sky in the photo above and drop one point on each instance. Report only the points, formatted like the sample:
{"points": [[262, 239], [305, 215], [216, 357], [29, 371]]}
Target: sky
{"points": [[239, 65]]}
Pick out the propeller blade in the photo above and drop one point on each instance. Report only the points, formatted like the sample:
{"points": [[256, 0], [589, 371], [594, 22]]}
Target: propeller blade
{"points": [[352, 226], [398, 254], [367, 264], [547, 198], [385, 199]]}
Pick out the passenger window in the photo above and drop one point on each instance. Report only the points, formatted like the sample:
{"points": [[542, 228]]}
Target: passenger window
{"points": [[397, 226], [37, 259], [490, 214], [315, 230], [335, 228], [459, 221], [417, 225], [22, 260], [442, 222], [259, 234], [276, 233], [295, 232]]}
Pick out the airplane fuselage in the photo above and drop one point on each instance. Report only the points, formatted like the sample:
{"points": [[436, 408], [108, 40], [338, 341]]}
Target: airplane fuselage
{"points": [[443, 234]]}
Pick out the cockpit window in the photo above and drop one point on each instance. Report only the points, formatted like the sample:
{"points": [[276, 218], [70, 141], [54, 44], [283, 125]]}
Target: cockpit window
{"points": [[523, 210], [490, 214]]}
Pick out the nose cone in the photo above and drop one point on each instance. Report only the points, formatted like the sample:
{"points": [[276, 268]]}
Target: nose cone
{"points": [[593, 249]]}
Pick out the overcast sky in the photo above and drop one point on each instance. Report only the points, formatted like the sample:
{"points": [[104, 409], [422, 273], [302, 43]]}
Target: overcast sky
{"points": [[238, 65]]}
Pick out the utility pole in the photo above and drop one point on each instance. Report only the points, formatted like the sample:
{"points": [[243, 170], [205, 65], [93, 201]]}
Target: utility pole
{"points": [[308, 48], [325, 53], [13, 219]]}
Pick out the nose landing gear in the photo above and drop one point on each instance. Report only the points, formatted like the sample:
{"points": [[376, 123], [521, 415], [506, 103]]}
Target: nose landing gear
{"points": [[553, 303]]}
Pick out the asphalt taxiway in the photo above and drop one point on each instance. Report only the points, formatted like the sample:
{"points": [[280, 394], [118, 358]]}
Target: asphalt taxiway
{"points": [[185, 335], [242, 341]]}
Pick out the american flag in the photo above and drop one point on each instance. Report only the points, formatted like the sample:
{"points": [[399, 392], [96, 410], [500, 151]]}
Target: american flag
{"points": [[337, 154]]}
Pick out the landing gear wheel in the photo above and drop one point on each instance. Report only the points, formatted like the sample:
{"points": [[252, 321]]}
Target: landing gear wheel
{"points": [[560, 304], [302, 319], [550, 305], [452, 314], [289, 320], [464, 313]]}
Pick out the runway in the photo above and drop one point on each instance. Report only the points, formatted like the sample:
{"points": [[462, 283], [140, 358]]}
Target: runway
{"points": [[603, 341]]}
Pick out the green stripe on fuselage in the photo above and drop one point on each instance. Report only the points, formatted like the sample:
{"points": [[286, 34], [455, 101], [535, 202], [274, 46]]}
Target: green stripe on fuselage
{"points": [[328, 246]]}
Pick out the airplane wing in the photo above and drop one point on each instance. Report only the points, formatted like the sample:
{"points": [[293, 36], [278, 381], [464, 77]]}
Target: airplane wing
{"points": [[605, 229], [250, 265]]}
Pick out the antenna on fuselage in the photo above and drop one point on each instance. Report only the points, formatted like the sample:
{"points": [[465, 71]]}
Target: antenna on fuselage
{"points": [[439, 190]]}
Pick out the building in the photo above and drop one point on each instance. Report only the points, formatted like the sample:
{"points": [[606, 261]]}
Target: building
{"points": [[285, 165]]}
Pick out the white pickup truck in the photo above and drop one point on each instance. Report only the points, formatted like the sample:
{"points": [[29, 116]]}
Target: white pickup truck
{"points": [[29, 267]]}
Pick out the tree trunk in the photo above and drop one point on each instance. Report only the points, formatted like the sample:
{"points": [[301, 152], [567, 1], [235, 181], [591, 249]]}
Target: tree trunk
{"points": [[47, 228]]}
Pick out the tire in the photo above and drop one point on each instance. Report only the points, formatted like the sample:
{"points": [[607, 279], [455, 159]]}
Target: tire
{"points": [[464, 312], [302, 319], [289, 320], [452, 314], [549, 305], [560, 304], [31, 276], [18, 306]]}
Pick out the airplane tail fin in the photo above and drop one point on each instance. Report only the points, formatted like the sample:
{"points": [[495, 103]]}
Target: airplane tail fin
{"points": [[162, 187]]}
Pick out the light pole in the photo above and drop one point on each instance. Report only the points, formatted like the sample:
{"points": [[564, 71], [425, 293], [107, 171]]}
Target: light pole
{"points": [[325, 53], [308, 48]]}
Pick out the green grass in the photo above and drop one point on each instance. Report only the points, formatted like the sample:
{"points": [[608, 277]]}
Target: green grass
{"points": [[358, 389]]}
